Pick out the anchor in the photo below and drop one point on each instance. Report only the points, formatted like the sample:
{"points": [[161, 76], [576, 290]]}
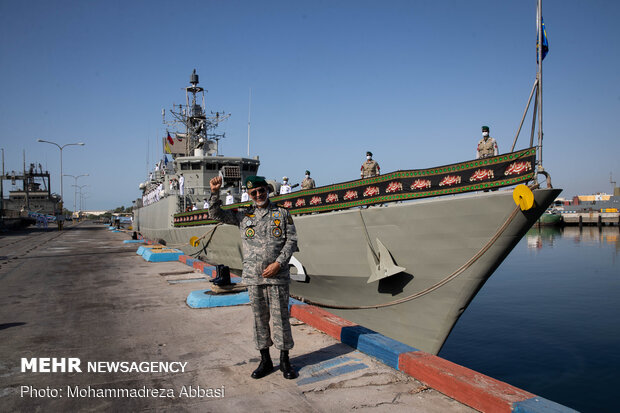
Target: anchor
{"points": [[382, 266]]}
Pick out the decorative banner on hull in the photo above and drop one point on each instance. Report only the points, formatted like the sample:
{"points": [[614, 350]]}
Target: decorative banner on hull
{"points": [[480, 174]]}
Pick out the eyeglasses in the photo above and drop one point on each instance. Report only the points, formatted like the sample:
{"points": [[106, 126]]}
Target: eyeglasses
{"points": [[257, 191]]}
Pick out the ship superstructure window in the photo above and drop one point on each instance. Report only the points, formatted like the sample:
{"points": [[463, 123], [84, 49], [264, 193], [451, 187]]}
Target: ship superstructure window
{"points": [[184, 166], [249, 167], [195, 166], [231, 171]]}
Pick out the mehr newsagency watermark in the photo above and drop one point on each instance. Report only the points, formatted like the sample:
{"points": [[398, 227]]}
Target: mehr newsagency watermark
{"points": [[74, 365]]}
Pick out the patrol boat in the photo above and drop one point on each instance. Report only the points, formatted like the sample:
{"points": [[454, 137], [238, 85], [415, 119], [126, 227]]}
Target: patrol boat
{"points": [[402, 253]]}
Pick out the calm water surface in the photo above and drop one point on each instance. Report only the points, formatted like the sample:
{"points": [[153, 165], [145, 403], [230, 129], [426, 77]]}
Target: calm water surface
{"points": [[548, 320]]}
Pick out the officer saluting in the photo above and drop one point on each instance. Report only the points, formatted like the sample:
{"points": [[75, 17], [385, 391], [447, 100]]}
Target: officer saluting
{"points": [[487, 146], [269, 239], [370, 168]]}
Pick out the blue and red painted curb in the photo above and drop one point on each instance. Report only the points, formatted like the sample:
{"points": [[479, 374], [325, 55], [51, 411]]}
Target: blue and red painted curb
{"points": [[464, 385]]}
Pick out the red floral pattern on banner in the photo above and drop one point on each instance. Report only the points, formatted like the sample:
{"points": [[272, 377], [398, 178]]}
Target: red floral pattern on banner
{"points": [[518, 167], [331, 198], [394, 186], [349, 195], [450, 180], [371, 191], [481, 175], [421, 184]]}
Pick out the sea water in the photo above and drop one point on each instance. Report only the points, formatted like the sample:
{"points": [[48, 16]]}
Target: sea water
{"points": [[548, 320]]}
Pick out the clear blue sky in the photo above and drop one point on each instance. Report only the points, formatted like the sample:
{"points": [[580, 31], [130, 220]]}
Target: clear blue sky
{"points": [[411, 81]]}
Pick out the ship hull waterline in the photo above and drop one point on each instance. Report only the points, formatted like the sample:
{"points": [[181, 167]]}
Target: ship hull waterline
{"points": [[430, 238]]}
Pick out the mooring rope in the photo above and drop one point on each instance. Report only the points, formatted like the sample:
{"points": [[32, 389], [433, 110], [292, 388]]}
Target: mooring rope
{"points": [[212, 232], [432, 288]]}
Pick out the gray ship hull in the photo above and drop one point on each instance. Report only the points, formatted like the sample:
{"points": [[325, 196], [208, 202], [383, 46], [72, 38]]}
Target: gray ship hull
{"points": [[429, 238]]}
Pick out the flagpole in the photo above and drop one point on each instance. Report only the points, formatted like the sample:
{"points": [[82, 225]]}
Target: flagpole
{"points": [[539, 76], [249, 109]]}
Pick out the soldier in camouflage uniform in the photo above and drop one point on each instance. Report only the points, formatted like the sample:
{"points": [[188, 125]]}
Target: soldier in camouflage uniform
{"points": [[307, 183], [370, 168], [269, 240], [487, 146]]}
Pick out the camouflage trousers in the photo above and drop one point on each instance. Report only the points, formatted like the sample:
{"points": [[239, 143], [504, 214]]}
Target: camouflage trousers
{"points": [[267, 300]]}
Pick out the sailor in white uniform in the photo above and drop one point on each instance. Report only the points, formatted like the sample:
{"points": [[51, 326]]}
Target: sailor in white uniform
{"points": [[244, 194], [229, 198], [285, 188]]}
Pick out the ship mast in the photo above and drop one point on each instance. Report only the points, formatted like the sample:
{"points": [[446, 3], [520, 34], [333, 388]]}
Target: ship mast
{"points": [[193, 118], [536, 92], [539, 60]]}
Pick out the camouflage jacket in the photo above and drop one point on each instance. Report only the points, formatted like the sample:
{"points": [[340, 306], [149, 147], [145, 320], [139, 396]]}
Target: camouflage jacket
{"points": [[487, 148], [370, 168], [308, 183], [267, 234]]}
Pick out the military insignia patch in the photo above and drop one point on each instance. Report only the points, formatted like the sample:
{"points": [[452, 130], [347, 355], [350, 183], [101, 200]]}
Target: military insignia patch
{"points": [[250, 232], [275, 214], [277, 232], [276, 222]]}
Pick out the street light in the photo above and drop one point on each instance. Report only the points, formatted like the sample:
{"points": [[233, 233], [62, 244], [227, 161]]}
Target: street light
{"points": [[80, 187], [75, 191], [61, 148]]}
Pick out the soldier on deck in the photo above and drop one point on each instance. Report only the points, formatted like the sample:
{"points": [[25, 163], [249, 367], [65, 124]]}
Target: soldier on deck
{"points": [[229, 198], [371, 167], [269, 239], [285, 188], [487, 146], [308, 183], [244, 194]]}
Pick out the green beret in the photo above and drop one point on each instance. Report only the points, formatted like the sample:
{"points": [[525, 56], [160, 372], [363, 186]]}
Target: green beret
{"points": [[485, 128], [368, 153], [307, 172], [254, 181]]}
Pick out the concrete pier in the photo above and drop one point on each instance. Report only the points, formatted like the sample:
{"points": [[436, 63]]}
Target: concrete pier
{"points": [[84, 296], [83, 293], [591, 218]]}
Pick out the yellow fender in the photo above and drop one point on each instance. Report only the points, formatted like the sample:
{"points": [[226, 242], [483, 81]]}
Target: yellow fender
{"points": [[523, 197]]}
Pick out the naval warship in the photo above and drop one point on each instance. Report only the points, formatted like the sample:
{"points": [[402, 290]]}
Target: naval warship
{"points": [[403, 253], [33, 200]]}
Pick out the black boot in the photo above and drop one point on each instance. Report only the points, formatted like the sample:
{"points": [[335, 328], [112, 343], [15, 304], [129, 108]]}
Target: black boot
{"points": [[265, 367], [285, 366], [218, 273], [223, 277]]}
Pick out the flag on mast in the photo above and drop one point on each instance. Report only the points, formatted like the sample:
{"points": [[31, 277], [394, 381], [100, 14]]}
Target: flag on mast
{"points": [[170, 139], [545, 42]]}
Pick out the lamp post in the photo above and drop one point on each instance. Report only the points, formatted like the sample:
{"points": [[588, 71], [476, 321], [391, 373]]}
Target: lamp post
{"points": [[80, 188], [61, 148], [75, 191]]}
